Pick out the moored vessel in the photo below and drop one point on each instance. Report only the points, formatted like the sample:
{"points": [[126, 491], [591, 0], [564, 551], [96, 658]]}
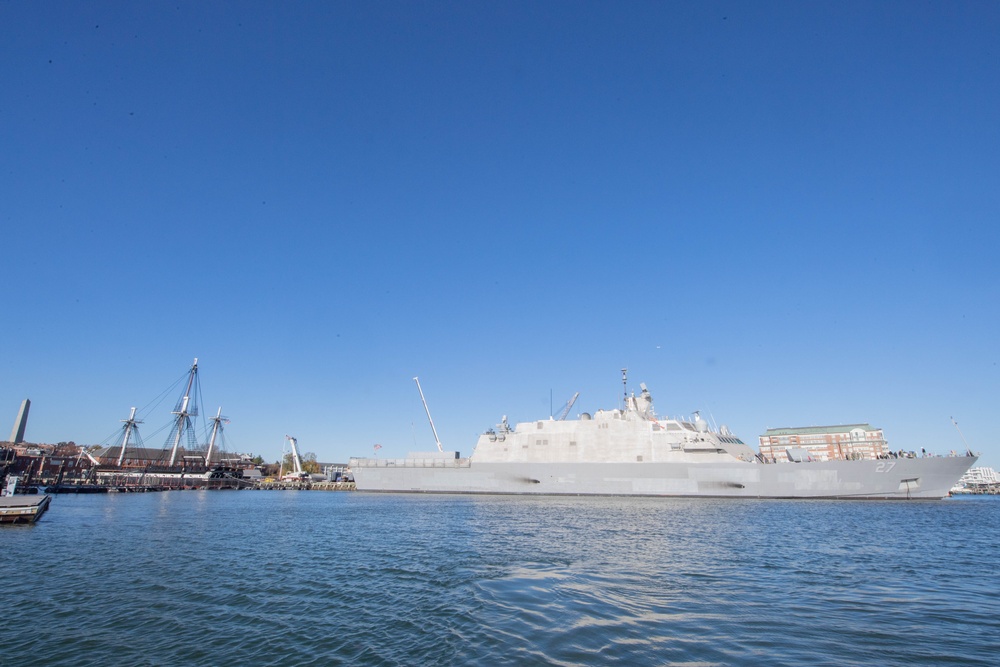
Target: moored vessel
{"points": [[630, 451], [181, 463]]}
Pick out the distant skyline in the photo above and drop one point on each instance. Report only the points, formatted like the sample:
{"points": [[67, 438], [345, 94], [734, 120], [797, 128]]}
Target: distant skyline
{"points": [[776, 213]]}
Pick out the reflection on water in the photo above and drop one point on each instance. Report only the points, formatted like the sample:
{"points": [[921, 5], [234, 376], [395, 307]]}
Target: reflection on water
{"points": [[292, 578]]}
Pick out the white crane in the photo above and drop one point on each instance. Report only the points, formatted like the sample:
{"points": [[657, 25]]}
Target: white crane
{"points": [[437, 440], [298, 474], [84, 452], [566, 408]]}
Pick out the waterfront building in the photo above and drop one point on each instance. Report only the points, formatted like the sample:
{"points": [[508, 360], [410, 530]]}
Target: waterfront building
{"points": [[335, 472], [40, 462], [134, 457], [825, 443], [980, 478]]}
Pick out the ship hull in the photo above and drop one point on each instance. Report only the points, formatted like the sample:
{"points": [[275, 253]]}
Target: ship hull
{"points": [[903, 478]]}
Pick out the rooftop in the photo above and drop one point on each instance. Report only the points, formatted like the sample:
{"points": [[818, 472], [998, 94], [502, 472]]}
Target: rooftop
{"points": [[818, 430]]}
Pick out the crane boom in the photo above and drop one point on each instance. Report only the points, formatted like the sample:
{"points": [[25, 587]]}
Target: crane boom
{"points": [[84, 452], [298, 475], [296, 461], [437, 440], [566, 408]]}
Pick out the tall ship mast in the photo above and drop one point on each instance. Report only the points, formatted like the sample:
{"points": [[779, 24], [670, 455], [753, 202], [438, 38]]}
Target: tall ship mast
{"points": [[182, 460], [217, 421], [184, 411], [128, 430]]}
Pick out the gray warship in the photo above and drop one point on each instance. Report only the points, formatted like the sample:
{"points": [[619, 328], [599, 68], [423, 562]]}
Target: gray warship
{"points": [[629, 451]]}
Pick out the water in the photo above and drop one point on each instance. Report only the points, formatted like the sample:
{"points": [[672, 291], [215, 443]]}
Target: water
{"points": [[322, 578]]}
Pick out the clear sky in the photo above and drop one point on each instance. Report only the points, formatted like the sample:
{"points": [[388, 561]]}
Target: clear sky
{"points": [[777, 213]]}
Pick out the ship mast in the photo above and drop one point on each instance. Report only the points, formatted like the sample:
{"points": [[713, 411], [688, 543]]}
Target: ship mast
{"points": [[437, 440], [183, 416], [130, 425], [218, 419], [625, 388]]}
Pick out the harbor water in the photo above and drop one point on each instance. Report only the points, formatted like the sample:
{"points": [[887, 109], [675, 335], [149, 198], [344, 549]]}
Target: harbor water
{"points": [[324, 578]]}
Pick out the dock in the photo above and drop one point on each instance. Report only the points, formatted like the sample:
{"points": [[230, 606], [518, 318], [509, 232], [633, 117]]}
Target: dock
{"points": [[24, 508], [200, 485]]}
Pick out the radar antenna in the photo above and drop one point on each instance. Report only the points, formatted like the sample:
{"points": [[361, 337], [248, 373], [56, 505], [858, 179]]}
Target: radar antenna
{"points": [[625, 385]]}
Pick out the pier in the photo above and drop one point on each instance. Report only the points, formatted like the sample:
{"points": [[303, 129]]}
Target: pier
{"points": [[23, 509], [113, 486]]}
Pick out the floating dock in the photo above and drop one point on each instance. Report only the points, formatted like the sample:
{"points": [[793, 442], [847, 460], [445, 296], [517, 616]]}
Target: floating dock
{"points": [[23, 509]]}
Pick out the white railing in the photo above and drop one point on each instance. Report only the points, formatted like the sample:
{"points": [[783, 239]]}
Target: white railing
{"points": [[410, 463]]}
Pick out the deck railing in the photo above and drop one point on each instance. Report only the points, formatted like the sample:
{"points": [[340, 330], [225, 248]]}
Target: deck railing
{"points": [[410, 463]]}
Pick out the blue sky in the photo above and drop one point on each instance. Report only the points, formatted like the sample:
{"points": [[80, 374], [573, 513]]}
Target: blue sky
{"points": [[777, 213]]}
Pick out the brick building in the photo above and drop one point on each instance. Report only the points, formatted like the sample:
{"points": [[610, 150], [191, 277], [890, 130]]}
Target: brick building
{"points": [[825, 443]]}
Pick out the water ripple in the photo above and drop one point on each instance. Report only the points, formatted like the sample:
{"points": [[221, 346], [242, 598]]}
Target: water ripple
{"points": [[296, 578]]}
